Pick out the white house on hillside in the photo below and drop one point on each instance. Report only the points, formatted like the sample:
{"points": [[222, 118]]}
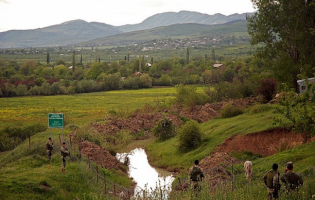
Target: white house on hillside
{"points": [[303, 84]]}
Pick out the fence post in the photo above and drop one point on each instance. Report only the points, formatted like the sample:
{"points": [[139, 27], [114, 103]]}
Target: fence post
{"points": [[96, 173], [29, 141], [105, 182], [114, 188], [59, 139], [232, 175]]}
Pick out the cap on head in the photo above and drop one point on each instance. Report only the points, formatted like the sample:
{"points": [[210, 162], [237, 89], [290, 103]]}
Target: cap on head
{"points": [[275, 166], [289, 165], [49, 138], [63, 143], [196, 162]]}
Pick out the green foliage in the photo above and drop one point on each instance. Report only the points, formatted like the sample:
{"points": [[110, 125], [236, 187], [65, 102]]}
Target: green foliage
{"points": [[12, 135], [229, 110], [189, 136], [188, 96], [164, 129], [300, 110]]}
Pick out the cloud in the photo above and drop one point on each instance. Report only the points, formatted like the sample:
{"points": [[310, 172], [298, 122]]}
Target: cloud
{"points": [[4, 1]]}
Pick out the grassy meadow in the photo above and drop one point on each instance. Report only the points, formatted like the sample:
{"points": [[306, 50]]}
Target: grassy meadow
{"points": [[26, 174], [81, 108]]}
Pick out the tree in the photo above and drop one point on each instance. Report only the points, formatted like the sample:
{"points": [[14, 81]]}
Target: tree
{"points": [[48, 59], [286, 28], [187, 55], [73, 60]]}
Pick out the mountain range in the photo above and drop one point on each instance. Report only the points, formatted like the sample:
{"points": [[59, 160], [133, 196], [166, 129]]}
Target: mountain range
{"points": [[78, 31]]}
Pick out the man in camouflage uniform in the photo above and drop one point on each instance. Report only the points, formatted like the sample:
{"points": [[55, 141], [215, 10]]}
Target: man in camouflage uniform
{"points": [[196, 175], [49, 147], [64, 153], [291, 180], [271, 180]]}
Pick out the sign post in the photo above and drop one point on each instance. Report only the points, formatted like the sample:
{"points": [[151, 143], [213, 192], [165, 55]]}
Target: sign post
{"points": [[55, 120]]}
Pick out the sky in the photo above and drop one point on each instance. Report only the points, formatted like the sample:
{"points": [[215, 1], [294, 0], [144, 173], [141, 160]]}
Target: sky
{"points": [[32, 14]]}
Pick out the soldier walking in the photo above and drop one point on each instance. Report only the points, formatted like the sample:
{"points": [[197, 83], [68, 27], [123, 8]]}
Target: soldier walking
{"points": [[49, 147], [196, 175], [64, 153], [291, 180], [271, 180]]}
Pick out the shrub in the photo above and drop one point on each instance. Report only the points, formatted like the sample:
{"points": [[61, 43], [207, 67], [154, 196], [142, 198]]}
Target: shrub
{"points": [[188, 96], [267, 89], [164, 129], [189, 136], [21, 90], [228, 110]]}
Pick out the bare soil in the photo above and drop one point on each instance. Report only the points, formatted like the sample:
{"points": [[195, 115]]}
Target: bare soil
{"points": [[99, 155]]}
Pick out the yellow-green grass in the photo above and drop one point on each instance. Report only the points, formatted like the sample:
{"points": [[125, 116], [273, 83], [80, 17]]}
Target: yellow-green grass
{"points": [[25, 173], [81, 108], [165, 154]]}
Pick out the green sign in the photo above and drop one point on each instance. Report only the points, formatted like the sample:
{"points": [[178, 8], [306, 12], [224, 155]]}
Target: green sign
{"points": [[55, 120]]}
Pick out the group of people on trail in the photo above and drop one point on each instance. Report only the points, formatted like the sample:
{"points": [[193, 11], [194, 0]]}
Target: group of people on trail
{"points": [[291, 180], [63, 151]]}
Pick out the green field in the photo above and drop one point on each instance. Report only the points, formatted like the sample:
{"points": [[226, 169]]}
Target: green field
{"points": [[79, 109], [25, 173]]}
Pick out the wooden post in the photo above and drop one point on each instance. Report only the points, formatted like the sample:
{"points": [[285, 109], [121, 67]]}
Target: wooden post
{"points": [[70, 142], [114, 188], [89, 161], [59, 139], [105, 182], [232, 175], [96, 173], [29, 141]]}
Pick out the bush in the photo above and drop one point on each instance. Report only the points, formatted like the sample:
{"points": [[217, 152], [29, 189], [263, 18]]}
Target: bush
{"points": [[164, 129], [188, 96], [267, 89], [229, 110], [189, 136]]}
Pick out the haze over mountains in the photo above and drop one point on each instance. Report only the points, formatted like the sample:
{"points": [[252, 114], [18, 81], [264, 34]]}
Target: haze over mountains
{"points": [[78, 31]]}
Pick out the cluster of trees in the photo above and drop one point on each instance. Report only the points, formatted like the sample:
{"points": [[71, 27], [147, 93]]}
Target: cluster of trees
{"points": [[33, 78]]}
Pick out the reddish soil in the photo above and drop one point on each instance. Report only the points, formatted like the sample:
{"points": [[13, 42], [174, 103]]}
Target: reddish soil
{"points": [[264, 143], [209, 111], [134, 124], [99, 155]]}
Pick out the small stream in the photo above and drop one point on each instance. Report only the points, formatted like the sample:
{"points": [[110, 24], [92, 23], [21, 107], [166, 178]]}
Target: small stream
{"points": [[145, 176]]}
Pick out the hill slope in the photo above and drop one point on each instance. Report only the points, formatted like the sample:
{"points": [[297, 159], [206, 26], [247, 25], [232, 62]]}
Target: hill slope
{"points": [[176, 31], [70, 32], [182, 17]]}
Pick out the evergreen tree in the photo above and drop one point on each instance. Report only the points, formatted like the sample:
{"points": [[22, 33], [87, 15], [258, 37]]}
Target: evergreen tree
{"points": [[73, 60], [187, 56], [48, 59]]}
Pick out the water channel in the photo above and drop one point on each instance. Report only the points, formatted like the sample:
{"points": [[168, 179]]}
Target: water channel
{"points": [[145, 176]]}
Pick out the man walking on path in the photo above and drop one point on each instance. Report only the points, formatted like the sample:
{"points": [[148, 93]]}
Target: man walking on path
{"points": [[271, 180], [64, 153], [196, 175], [49, 147], [291, 180]]}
